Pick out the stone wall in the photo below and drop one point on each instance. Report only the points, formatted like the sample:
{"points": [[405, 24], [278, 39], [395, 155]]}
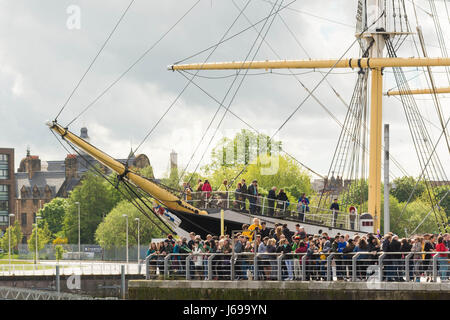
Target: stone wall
{"points": [[274, 290]]}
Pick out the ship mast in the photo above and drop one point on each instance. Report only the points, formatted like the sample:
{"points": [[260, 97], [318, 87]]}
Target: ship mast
{"points": [[374, 29]]}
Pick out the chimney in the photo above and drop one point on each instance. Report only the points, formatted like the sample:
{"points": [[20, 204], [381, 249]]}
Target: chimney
{"points": [[71, 166], [32, 164]]}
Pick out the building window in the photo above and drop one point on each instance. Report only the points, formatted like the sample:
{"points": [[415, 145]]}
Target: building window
{"points": [[4, 174], [23, 220], [3, 220], [4, 192], [4, 205]]}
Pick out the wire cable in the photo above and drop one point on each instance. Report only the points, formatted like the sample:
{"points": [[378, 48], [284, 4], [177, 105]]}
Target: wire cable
{"points": [[95, 58]]}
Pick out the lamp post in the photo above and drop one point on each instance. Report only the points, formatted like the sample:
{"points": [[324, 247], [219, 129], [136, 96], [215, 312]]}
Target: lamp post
{"points": [[126, 217], [9, 237], [36, 258], [79, 231], [138, 240]]}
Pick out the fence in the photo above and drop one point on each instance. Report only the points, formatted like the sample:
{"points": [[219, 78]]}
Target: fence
{"points": [[70, 268], [88, 252], [352, 266], [273, 208]]}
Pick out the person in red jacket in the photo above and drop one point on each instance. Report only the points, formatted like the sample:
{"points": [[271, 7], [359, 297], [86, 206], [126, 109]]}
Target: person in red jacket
{"points": [[442, 258], [206, 190]]}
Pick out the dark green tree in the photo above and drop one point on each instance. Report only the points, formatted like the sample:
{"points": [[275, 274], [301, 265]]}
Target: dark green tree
{"points": [[404, 186], [112, 231], [53, 213], [96, 197]]}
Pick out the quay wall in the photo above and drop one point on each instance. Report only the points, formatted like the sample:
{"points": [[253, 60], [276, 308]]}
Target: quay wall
{"points": [[284, 290]]}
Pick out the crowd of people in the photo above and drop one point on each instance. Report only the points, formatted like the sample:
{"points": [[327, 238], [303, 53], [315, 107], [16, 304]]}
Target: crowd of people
{"points": [[269, 243]]}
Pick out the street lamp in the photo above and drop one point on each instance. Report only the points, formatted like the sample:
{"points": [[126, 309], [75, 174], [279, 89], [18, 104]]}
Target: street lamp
{"points": [[79, 231], [9, 237], [37, 252], [126, 217], [138, 256]]}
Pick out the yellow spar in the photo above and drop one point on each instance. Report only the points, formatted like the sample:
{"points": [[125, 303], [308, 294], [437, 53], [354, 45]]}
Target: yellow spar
{"points": [[420, 91], [168, 199], [317, 64]]}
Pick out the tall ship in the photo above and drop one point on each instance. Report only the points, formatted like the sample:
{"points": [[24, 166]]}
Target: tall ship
{"points": [[381, 29]]}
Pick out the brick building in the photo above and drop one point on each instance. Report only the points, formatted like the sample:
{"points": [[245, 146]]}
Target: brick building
{"points": [[37, 182]]}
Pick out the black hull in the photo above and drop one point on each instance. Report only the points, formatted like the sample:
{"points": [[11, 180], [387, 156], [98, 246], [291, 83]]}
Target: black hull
{"points": [[204, 225]]}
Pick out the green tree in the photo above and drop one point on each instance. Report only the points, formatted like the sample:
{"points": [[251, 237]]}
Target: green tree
{"points": [[404, 186], [357, 195], [415, 213], [146, 172], [16, 237], [112, 231], [441, 194], [53, 213], [281, 172], [44, 237], [96, 197]]}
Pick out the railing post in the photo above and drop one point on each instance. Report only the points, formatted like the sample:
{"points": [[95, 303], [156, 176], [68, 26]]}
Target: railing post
{"points": [[262, 210], [435, 267], [380, 265], [210, 265], [354, 265], [188, 266], [407, 263], [166, 266], [122, 283], [329, 270], [147, 268], [228, 200], [255, 266], [279, 260], [304, 267], [57, 282], [232, 267]]}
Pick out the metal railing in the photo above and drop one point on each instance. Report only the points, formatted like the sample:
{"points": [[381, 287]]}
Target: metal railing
{"points": [[264, 206], [317, 266], [78, 268]]}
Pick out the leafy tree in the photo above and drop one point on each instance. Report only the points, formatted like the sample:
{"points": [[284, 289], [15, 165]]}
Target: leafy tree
{"points": [[16, 237], [112, 231], [59, 250], [286, 173], [357, 195], [440, 193], [404, 187], [44, 237], [53, 213], [404, 223], [96, 197], [146, 172]]}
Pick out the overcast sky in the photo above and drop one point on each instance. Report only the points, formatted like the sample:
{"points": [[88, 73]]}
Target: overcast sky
{"points": [[43, 54]]}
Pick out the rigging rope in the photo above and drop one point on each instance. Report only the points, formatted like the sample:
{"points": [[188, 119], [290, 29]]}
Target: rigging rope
{"points": [[192, 78], [95, 59], [139, 59], [237, 89]]}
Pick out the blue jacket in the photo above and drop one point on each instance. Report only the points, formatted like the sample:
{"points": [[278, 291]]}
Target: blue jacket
{"points": [[341, 246]]}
